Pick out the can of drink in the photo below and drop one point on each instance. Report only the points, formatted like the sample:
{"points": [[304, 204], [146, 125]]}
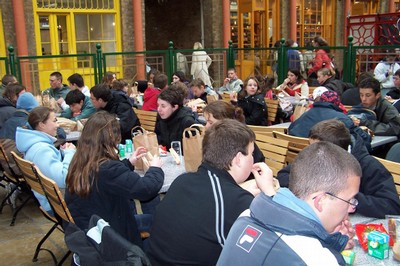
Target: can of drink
{"points": [[128, 146], [122, 150]]}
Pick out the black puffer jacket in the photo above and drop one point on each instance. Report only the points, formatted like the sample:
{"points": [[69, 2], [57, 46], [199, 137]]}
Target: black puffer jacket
{"points": [[254, 109], [378, 195], [171, 129], [7, 109], [120, 106]]}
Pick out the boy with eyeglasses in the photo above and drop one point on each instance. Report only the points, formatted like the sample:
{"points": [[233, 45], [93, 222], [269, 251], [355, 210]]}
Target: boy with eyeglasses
{"points": [[377, 196], [299, 225]]}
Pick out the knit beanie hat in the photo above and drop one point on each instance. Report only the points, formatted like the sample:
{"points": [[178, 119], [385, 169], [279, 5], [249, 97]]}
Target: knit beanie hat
{"points": [[27, 101], [330, 97]]}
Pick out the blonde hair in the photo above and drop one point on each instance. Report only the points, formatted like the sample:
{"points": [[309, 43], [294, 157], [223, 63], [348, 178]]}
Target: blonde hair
{"points": [[197, 46]]}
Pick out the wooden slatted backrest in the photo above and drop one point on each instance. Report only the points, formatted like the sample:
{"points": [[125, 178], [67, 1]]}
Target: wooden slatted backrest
{"points": [[274, 151], [272, 106], [394, 169], [147, 119], [10, 169], [296, 144], [266, 130], [348, 107], [26, 168], [53, 195], [311, 90]]}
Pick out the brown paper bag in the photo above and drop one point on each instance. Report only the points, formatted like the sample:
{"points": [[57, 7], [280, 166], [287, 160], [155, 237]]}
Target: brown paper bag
{"points": [[192, 138], [299, 110], [143, 138], [67, 124]]}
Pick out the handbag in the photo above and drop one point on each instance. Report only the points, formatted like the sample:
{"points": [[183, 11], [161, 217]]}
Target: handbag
{"points": [[299, 110], [144, 138], [192, 138]]}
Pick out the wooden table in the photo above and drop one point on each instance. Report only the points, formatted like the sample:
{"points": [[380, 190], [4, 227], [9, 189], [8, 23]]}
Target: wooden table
{"points": [[171, 171]]}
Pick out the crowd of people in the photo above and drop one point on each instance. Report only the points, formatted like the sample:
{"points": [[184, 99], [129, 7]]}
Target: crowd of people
{"points": [[209, 217]]}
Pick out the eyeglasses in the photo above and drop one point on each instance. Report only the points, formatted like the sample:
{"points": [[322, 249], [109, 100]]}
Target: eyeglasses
{"points": [[353, 202]]}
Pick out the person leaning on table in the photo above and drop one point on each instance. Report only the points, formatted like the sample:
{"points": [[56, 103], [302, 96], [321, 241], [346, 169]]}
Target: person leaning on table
{"points": [[100, 183], [378, 195], [193, 220], [299, 225], [387, 121]]}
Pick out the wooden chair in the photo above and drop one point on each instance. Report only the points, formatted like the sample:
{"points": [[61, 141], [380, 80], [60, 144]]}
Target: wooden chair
{"points": [[296, 144], [12, 175], [147, 119], [311, 90], [274, 150], [394, 169], [267, 130], [56, 200], [348, 107], [272, 106], [26, 168]]}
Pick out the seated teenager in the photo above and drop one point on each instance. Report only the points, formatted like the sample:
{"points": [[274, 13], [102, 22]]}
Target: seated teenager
{"points": [[80, 106], [387, 122], [326, 107], [251, 100], [302, 225], [173, 117], [193, 220], [104, 99], [201, 90], [219, 110], [100, 183], [36, 142], [151, 93], [294, 83], [25, 103], [378, 195]]}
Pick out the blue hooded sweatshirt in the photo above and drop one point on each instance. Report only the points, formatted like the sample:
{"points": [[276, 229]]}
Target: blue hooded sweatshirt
{"points": [[38, 148]]}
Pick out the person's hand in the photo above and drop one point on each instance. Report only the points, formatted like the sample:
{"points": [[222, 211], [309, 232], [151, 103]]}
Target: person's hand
{"points": [[264, 178], [388, 98], [139, 153], [390, 72], [286, 81], [356, 121], [251, 186], [68, 145], [60, 101], [156, 162], [233, 96], [346, 228], [226, 81]]}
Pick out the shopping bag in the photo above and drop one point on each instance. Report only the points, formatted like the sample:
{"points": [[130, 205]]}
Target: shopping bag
{"points": [[299, 110], [192, 139], [144, 138]]}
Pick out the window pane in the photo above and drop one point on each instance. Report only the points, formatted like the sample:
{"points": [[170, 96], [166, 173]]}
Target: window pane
{"points": [[81, 27], [45, 35], [93, 4]]}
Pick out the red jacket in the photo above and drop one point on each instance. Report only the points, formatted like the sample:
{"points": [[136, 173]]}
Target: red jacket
{"points": [[321, 60], [150, 99]]}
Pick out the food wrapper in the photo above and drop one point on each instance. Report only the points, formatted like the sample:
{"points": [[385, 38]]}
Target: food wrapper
{"points": [[394, 227], [349, 256], [362, 231]]}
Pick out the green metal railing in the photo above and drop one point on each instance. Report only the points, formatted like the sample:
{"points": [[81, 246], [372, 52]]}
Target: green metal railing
{"points": [[350, 60]]}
